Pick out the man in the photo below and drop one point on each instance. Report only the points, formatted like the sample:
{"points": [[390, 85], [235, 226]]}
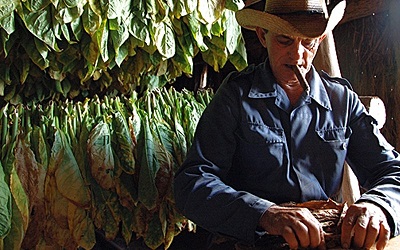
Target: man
{"points": [[271, 137]]}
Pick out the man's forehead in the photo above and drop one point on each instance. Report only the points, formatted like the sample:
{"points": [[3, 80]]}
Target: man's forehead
{"points": [[292, 37]]}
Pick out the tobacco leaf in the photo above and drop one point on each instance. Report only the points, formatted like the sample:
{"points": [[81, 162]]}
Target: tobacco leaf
{"points": [[5, 205], [20, 203], [27, 169], [32, 175], [154, 236], [66, 171], [101, 158], [81, 226], [149, 165], [124, 143]]}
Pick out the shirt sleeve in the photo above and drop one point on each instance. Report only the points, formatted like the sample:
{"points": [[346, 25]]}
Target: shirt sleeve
{"points": [[200, 188], [375, 163]]}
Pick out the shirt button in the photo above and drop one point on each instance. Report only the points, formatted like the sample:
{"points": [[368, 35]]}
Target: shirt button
{"points": [[343, 146]]}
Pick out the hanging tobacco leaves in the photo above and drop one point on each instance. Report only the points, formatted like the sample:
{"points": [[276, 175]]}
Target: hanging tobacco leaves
{"points": [[80, 48], [102, 164], [5, 205]]}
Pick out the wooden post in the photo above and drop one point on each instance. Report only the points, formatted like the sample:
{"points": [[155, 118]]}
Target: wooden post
{"points": [[326, 59]]}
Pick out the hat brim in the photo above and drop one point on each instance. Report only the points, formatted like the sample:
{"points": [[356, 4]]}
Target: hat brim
{"points": [[306, 26]]}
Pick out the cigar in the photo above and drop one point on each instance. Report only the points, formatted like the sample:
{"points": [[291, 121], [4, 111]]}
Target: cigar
{"points": [[301, 78]]}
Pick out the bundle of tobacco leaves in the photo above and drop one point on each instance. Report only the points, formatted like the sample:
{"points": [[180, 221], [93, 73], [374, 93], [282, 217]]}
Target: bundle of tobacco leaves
{"points": [[329, 213], [70, 169]]}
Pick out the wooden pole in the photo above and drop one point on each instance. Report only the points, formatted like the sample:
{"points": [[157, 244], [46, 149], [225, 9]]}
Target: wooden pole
{"points": [[326, 59]]}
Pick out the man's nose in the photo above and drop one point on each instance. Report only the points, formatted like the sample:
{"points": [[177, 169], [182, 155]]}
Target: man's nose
{"points": [[296, 51]]}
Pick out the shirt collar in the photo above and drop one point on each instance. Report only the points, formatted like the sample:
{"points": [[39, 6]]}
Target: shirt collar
{"points": [[264, 85], [317, 89]]}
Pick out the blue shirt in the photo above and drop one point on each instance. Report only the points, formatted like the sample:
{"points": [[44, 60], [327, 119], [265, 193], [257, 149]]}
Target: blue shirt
{"points": [[252, 149]]}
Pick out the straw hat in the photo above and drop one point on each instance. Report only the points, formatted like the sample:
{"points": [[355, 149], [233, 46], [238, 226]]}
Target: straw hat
{"points": [[300, 18]]}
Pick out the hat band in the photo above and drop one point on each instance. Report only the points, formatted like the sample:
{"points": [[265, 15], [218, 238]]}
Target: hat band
{"points": [[308, 12]]}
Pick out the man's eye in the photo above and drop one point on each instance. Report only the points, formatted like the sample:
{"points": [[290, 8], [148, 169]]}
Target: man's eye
{"points": [[284, 40], [308, 43]]}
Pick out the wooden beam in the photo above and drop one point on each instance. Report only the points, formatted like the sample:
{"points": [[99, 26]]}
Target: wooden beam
{"points": [[326, 58]]}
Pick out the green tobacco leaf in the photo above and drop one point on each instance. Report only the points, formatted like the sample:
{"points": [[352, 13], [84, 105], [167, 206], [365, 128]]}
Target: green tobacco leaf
{"points": [[36, 5], [32, 176], [40, 24], [183, 8], [27, 168], [232, 32], [194, 26], [149, 165], [215, 56], [234, 5], [140, 28], [102, 41], [123, 53], [126, 225], [20, 205], [118, 8], [126, 188], [165, 39], [56, 227], [91, 20], [13, 240], [77, 28], [183, 61], [8, 23], [5, 205], [210, 11], [37, 51], [7, 7], [154, 235], [39, 146], [72, 3], [239, 57], [109, 212], [66, 14], [119, 37], [100, 156], [66, 171], [81, 226], [124, 143]]}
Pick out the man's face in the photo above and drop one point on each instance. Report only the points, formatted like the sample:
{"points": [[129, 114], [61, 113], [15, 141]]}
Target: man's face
{"points": [[285, 51]]}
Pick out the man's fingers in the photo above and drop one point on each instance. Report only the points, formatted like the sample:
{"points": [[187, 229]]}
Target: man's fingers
{"points": [[297, 226], [315, 233], [347, 230], [372, 232], [302, 232], [360, 230], [384, 236], [299, 234], [322, 245], [363, 226], [290, 237]]}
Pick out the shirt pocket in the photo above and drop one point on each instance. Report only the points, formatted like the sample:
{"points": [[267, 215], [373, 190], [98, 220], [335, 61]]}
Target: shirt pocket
{"points": [[336, 138], [261, 147]]}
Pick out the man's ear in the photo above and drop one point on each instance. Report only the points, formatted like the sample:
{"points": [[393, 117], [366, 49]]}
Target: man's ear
{"points": [[261, 36], [321, 38]]}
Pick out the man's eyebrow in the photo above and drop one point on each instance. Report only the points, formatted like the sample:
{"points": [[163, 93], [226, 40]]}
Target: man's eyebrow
{"points": [[285, 36]]}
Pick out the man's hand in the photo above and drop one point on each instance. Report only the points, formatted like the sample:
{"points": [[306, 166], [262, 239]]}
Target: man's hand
{"points": [[365, 223], [296, 225]]}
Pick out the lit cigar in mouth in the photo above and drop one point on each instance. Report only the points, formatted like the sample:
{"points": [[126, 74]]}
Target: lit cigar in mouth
{"points": [[301, 78]]}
